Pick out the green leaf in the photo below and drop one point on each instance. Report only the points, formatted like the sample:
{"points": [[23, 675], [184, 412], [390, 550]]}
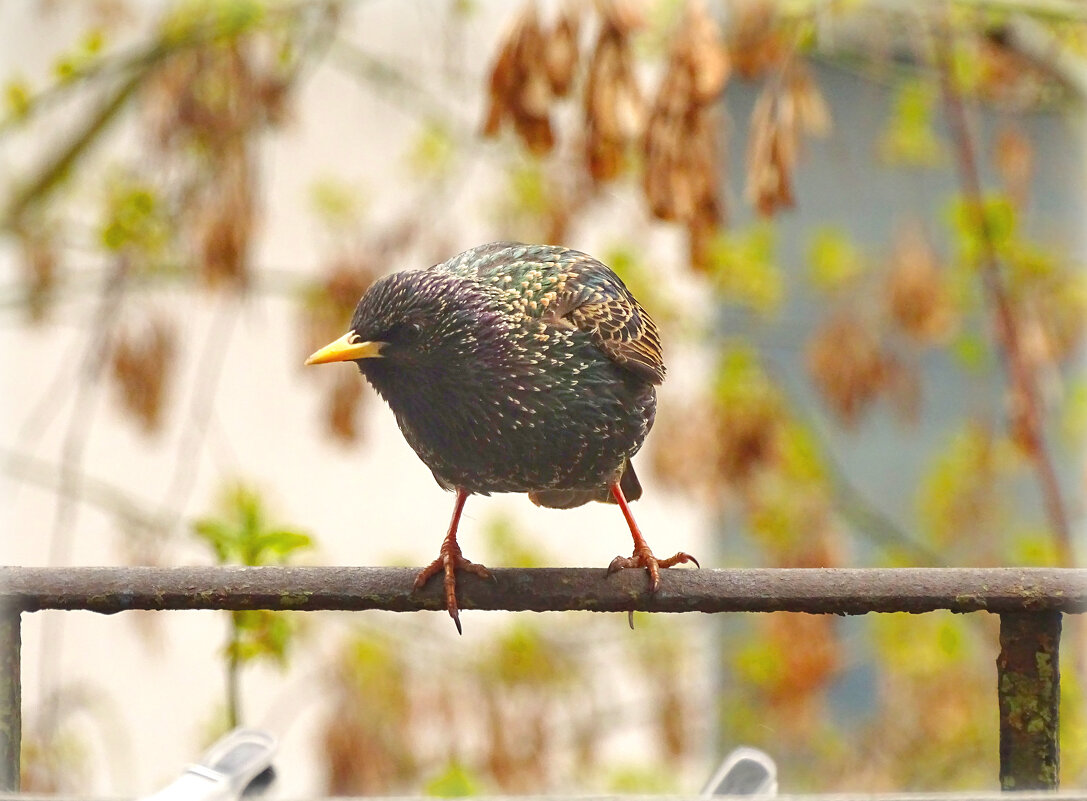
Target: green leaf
{"points": [[760, 663], [1073, 414], [972, 352], [964, 489], [433, 152], [1034, 549], [995, 219], [456, 781], [337, 203], [134, 219], [279, 544], [909, 137], [523, 656], [833, 260], [17, 97], [241, 534], [221, 18], [923, 646], [740, 379], [507, 546], [641, 779], [528, 189], [743, 269]]}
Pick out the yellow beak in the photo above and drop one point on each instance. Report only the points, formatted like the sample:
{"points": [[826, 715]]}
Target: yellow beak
{"points": [[344, 350]]}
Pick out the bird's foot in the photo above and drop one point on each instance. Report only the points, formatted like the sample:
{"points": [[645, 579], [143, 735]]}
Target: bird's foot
{"points": [[449, 561], [643, 557]]}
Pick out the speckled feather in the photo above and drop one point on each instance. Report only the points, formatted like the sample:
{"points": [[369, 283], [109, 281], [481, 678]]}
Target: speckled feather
{"points": [[516, 368]]}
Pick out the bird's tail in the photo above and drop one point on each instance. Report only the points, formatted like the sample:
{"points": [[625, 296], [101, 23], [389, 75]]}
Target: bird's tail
{"points": [[629, 484], [569, 498]]}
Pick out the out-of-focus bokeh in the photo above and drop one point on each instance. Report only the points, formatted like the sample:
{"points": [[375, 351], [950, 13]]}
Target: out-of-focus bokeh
{"points": [[859, 225]]}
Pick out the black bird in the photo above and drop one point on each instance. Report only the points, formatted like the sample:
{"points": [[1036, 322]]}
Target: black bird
{"points": [[514, 368]]}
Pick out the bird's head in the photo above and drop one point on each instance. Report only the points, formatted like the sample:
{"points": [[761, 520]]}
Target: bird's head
{"points": [[397, 319]]}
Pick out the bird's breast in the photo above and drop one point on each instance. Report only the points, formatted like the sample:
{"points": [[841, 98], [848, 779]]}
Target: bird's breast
{"points": [[555, 415]]}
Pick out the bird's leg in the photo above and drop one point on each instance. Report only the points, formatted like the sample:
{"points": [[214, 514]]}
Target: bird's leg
{"points": [[450, 560], [642, 556]]}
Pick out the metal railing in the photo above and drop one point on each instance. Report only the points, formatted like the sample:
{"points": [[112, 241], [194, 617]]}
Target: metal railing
{"points": [[1029, 601]]}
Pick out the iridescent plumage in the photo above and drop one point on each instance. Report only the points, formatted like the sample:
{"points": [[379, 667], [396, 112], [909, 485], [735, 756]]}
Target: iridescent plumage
{"points": [[514, 368]]}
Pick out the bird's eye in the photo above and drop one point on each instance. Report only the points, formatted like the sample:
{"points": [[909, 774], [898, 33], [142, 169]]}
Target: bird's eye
{"points": [[406, 331]]}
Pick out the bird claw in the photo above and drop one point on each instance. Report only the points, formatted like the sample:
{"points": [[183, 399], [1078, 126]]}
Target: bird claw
{"points": [[643, 557], [449, 561]]}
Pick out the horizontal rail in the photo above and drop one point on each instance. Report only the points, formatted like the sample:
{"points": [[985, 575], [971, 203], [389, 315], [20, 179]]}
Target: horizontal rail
{"points": [[815, 590]]}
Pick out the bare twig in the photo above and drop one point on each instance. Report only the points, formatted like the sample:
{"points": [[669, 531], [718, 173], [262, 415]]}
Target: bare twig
{"points": [[201, 409], [73, 448], [1028, 409], [128, 511]]}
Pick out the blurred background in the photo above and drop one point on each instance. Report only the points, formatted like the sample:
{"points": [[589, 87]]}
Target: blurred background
{"points": [[860, 226]]}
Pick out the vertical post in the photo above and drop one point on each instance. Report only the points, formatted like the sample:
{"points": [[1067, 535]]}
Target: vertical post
{"points": [[11, 711], [1029, 693]]}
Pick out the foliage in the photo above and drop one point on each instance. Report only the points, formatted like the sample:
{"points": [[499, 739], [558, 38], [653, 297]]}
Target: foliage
{"points": [[242, 534], [807, 331]]}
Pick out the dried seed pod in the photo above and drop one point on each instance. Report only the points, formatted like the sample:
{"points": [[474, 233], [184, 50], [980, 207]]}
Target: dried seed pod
{"points": [[38, 254], [1013, 156], [343, 402], [224, 227], [785, 110], [328, 306], [682, 167], [757, 43], [561, 51], [918, 298], [812, 112], [748, 438], [848, 366], [613, 106], [689, 461], [520, 85], [140, 366], [771, 153], [804, 671]]}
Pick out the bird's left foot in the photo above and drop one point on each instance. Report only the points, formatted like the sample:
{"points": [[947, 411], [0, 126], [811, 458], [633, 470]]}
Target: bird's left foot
{"points": [[449, 561], [643, 557]]}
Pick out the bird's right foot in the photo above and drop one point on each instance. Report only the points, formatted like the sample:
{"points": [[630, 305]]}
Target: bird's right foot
{"points": [[643, 557], [449, 561]]}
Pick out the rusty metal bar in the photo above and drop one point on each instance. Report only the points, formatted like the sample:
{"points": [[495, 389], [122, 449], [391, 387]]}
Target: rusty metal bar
{"points": [[1029, 693], [818, 591], [11, 716], [1024, 597]]}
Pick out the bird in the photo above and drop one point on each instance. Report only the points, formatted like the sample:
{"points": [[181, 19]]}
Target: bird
{"points": [[514, 368]]}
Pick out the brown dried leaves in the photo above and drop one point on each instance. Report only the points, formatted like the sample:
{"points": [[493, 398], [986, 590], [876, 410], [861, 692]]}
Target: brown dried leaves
{"points": [[682, 170], [613, 105], [785, 111], [326, 316], [534, 67], [680, 136], [918, 297], [206, 107], [140, 368]]}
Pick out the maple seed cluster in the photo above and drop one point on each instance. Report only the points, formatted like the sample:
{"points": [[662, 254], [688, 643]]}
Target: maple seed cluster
{"points": [[681, 176]]}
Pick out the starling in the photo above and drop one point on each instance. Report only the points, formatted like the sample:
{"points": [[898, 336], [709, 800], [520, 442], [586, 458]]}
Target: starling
{"points": [[514, 368]]}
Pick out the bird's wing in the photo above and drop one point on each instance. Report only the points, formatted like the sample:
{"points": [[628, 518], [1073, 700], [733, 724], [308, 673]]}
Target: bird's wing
{"points": [[597, 302], [572, 290]]}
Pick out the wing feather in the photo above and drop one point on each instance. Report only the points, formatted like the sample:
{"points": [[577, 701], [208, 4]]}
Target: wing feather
{"points": [[597, 302]]}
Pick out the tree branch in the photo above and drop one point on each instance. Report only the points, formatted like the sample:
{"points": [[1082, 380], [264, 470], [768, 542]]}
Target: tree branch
{"points": [[1028, 409]]}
